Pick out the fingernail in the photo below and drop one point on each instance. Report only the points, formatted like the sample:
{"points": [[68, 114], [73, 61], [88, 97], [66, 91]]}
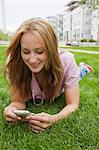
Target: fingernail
{"points": [[19, 118], [32, 113], [27, 118]]}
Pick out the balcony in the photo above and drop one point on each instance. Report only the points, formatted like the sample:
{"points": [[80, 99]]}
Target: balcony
{"points": [[72, 5]]}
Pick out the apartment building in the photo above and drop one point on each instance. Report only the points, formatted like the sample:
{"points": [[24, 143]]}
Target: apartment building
{"points": [[95, 26], [80, 23], [53, 22], [57, 23], [60, 26]]}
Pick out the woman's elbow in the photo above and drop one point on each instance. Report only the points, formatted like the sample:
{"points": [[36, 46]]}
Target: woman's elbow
{"points": [[75, 106]]}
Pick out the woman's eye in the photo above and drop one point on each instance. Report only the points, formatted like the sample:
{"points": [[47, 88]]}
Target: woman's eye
{"points": [[25, 52], [40, 52]]}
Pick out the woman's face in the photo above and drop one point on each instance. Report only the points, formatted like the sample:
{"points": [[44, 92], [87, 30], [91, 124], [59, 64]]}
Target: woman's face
{"points": [[32, 52]]}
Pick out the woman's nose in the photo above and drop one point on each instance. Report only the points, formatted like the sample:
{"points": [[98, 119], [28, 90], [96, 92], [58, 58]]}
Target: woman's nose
{"points": [[32, 58]]}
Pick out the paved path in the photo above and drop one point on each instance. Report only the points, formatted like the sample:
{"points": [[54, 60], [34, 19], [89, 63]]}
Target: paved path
{"points": [[81, 51]]}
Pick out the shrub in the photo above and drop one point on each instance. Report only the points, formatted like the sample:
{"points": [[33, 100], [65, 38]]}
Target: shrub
{"points": [[91, 40], [86, 40], [83, 40], [4, 36]]}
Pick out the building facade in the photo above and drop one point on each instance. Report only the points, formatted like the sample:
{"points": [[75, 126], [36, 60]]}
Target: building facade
{"points": [[79, 23], [57, 23]]}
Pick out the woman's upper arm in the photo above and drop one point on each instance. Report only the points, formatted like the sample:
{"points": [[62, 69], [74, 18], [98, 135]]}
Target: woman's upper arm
{"points": [[72, 95], [17, 101], [16, 97]]}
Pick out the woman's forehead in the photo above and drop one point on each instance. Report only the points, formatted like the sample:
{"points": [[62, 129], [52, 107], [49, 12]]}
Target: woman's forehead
{"points": [[29, 36], [31, 40]]}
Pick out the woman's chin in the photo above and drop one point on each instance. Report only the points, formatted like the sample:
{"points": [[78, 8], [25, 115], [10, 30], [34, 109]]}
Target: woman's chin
{"points": [[35, 70]]}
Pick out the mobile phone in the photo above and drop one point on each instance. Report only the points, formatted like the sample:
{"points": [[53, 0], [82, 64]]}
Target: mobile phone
{"points": [[22, 113]]}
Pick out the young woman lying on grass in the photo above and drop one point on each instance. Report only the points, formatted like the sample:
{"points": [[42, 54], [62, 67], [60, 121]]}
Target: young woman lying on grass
{"points": [[37, 70]]}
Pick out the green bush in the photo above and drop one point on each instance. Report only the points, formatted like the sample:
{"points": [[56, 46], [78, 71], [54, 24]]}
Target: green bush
{"points": [[91, 40], [4, 36], [86, 40], [83, 40]]}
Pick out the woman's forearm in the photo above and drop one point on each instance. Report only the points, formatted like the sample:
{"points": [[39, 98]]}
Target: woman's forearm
{"points": [[65, 112], [18, 105]]}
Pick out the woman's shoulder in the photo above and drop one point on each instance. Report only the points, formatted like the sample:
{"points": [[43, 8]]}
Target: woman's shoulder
{"points": [[65, 56]]}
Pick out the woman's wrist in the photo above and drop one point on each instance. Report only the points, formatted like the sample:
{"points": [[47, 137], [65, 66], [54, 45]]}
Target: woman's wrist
{"points": [[65, 112], [56, 118], [18, 105], [10, 107]]}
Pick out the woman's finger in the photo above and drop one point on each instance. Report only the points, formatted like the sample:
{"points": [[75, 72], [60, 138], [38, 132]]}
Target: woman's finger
{"points": [[40, 119], [11, 115], [11, 119], [35, 122], [36, 127], [39, 124]]}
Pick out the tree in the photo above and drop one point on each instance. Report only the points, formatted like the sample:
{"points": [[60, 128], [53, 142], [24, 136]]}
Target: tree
{"points": [[92, 4]]}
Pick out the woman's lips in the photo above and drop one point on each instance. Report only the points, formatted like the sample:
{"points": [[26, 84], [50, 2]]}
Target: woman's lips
{"points": [[35, 66]]}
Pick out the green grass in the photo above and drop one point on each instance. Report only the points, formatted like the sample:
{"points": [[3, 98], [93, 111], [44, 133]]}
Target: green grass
{"points": [[80, 131], [82, 48]]}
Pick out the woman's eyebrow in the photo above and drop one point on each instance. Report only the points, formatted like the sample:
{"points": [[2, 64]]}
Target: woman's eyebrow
{"points": [[38, 48], [24, 48]]}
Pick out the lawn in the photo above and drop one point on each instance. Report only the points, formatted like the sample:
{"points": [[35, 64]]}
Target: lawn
{"points": [[80, 131], [82, 48]]}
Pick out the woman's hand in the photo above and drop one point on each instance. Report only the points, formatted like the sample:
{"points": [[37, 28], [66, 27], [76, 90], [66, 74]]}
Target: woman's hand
{"points": [[9, 114], [41, 121]]}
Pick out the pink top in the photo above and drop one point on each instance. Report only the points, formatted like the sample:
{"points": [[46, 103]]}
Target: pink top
{"points": [[70, 77]]}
